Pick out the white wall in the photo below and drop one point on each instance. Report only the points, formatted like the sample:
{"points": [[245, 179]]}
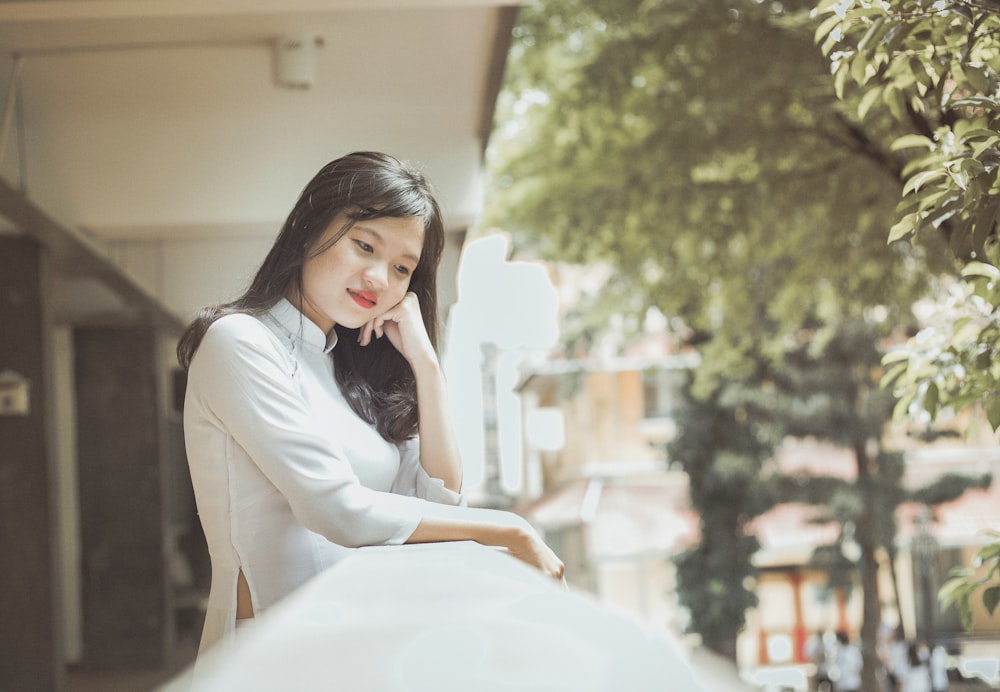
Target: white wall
{"points": [[185, 159]]}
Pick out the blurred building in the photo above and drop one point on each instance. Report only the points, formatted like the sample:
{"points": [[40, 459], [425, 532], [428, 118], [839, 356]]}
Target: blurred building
{"points": [[609, 500], [796, 598], [597, 481]]}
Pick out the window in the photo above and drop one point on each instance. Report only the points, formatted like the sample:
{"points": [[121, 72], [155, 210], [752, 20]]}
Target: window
{"points": [[661, 392]]}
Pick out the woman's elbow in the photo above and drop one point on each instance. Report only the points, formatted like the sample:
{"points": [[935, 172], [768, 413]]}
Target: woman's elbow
{"points": [[348, 524]]}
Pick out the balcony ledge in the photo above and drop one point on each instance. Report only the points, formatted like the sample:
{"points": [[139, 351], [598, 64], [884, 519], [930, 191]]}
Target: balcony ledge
{"points": [[439, 617]]}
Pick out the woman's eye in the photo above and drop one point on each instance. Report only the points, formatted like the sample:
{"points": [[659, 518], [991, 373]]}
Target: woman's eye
{"points": [[365, 247], [402, 270]]}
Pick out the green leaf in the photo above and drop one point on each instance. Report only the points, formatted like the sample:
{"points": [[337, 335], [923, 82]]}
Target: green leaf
{"points": [[867, 10], [859, 70], [976, 133], [977, 77], [981, 269], [989, 552], [901, 410], [892, 375], [896, 101], [992, 407], [917, 181], [991, 597], [895, 356], [953, 589], [840, 78], [904, 227], [826, 27], [912, 141], [975, 102], [931, 400], [867, 101], [982, 149], [946, 211], [972, 166], [870, 34]]}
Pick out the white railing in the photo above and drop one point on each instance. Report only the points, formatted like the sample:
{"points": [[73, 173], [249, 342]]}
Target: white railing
{"points": [[439, 618]]}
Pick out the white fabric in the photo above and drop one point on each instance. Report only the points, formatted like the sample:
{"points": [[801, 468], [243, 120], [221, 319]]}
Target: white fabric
{"points": [[286, 477]]}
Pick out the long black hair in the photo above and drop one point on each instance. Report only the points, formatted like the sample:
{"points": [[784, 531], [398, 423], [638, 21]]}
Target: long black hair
{"points": [[375, 379]]}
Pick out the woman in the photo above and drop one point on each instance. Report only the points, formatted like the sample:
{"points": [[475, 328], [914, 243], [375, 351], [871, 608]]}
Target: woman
{"points": [[305, 396]]}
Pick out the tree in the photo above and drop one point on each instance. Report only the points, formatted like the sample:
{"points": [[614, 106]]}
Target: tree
{"points": [[934, 68], [831, 392], [654, 125], [722, 452], [721, 178]]}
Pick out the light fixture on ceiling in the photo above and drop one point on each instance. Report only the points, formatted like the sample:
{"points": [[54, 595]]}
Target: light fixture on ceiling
{"points": [[295, 60]]}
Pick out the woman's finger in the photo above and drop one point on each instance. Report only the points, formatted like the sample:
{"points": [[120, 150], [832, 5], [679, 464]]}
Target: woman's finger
{"points": [[369, 331]]}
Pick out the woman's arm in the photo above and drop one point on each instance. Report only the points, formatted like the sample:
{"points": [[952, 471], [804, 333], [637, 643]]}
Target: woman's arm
{"points": [[494, 528], [403, 326], [439, 453]]}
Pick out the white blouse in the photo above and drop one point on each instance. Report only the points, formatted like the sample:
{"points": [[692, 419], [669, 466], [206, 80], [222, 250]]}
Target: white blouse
{"points": [[287, 478]]}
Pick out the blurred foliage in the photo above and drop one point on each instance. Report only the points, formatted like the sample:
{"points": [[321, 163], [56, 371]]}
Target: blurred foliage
{"points": [[983, 573], [950, 487], [954, 362], [934, 68], [723, 451], [700, 149]]}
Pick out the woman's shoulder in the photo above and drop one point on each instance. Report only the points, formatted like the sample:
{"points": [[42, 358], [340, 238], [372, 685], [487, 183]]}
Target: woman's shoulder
{"points": [[238, 332], [235, 351], [236, 326]]}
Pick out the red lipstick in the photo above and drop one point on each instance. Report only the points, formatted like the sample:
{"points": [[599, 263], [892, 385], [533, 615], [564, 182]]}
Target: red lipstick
{"points": [[365, 299]]}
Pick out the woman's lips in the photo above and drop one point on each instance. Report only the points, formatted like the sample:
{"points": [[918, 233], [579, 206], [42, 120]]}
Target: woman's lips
{"points": [[363, 298]]}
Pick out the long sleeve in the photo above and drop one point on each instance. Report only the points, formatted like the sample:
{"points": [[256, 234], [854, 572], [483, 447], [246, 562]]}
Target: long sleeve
{"points": [[247, 385], [412, 479]]}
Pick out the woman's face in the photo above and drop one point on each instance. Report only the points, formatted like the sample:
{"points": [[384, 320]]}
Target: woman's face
{"points": [[363, 274]]}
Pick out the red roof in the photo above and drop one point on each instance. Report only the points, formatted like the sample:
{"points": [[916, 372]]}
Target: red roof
{"points": [[651, 513]]}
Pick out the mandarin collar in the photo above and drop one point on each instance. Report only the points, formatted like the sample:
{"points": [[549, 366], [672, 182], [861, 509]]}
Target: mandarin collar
{"points": [[298, 326]]}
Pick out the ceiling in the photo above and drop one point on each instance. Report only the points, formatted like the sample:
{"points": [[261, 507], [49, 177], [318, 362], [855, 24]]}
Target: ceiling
{"points": [[156, 148]]}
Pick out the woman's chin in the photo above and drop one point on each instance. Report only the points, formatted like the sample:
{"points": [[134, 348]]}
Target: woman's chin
{"points": [[355, 322]]}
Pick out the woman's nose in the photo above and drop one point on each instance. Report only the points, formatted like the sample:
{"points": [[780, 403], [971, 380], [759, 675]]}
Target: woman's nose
{"points": [[376, 275]]}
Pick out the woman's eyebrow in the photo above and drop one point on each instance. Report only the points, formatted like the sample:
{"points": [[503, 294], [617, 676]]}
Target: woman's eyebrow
{"points": [[380, 239]]}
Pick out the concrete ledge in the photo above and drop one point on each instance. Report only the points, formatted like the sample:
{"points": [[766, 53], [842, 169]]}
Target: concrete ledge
{"points": [[441, 617]]}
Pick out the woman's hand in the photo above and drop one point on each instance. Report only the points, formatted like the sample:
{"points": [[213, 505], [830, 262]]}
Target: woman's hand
{"points": [[490, 527], [403, 325], [528, 547]]}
